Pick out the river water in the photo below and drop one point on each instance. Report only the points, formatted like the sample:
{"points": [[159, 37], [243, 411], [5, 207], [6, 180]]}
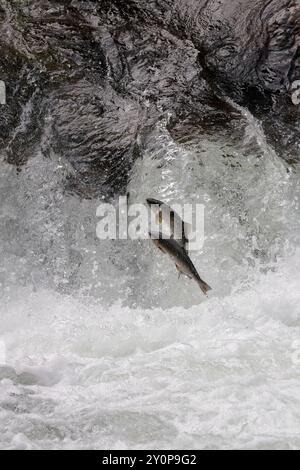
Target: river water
{"points": [[102, 346]]}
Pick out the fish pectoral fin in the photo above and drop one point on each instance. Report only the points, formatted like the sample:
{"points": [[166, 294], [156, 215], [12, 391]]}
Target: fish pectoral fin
{"points": [[182, 273], [178, 269]]}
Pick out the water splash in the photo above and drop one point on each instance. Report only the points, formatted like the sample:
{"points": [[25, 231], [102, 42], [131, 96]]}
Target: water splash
{"points": [[106, 348]]}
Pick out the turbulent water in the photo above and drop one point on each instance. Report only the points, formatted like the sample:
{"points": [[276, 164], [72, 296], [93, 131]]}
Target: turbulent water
{"points": [[186, 101], [102, 346]]}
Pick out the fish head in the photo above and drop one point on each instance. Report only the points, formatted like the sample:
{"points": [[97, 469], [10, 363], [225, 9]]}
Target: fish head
{"points": [[153, 202]]}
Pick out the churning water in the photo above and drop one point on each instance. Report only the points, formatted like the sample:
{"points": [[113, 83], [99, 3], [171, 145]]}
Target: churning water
{"points": [[102, 346]]}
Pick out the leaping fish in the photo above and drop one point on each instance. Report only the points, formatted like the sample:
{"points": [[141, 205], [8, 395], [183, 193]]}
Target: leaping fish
{"points": [[166, 214], [182, 261]]}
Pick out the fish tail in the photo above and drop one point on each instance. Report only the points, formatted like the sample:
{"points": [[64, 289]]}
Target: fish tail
{"points": [[203, 286]]}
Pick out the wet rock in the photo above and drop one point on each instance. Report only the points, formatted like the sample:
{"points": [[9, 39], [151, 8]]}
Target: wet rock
{"points": [[87, 80]]}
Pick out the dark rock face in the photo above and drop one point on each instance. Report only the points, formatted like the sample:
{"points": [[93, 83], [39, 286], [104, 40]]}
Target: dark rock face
{"points": [[87, 79], [251, 51]]}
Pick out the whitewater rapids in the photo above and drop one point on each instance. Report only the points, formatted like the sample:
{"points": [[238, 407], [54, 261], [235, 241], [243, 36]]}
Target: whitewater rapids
{"points": [[104, 348]]}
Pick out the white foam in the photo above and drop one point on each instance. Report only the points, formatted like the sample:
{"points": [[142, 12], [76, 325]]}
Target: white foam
{"points": [[222, 374], [103, 347]]}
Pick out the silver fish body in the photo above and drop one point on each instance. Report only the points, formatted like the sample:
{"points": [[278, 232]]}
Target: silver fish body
{"points": [[178, 227], [181, 259]]}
